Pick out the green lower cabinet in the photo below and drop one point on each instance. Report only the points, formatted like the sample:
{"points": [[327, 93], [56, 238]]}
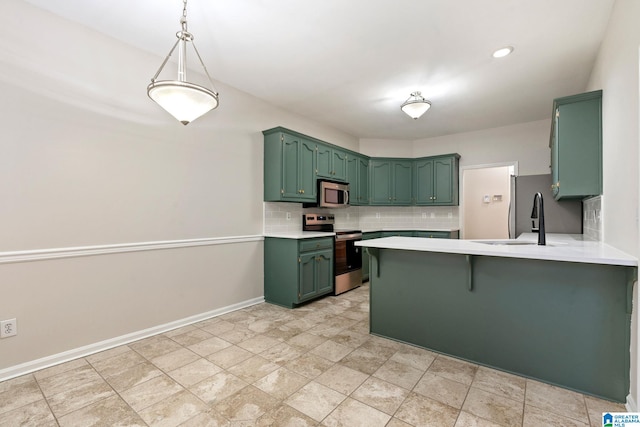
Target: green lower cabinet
{"points": [[563, 323], [398, 233], [435, 234], [296, 271], [365, 253]]}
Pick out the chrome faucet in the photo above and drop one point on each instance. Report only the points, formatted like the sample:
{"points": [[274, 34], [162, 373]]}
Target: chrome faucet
{"points": [[537, 201]]}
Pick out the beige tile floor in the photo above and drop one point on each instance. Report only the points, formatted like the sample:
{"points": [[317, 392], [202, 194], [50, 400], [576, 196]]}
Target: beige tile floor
{"points": [[270, 366]]}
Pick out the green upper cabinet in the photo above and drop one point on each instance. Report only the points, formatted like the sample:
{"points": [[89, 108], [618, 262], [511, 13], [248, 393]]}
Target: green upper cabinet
{"points": [[435, 180], [290, 165], [332, 163], [293, 163], [391, 182], [358, 179], [576, 146], [380, 182]]}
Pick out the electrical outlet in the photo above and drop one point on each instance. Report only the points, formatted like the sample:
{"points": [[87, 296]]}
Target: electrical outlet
{"points": [[288, 216], [424, 215], [377, 215], [433, 214], [8, 328]]}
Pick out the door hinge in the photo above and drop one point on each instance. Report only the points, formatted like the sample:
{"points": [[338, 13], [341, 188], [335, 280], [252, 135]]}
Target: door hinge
{"points": [[557, 113], [299, 260], [282, 191], [281, 138]]}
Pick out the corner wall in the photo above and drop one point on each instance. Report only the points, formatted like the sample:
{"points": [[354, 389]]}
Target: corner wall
{"points": [[617, 73]]}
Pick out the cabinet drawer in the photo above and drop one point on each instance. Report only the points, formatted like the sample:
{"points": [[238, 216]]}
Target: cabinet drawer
{"points": [[397, 233], [433, 234], [307, 245]]}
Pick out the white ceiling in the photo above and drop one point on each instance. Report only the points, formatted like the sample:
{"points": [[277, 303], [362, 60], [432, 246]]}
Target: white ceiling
{"points": [[351, 63]]}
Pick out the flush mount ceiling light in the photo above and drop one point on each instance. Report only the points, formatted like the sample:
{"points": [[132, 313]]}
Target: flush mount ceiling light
{"points": [[183, 100], [502, 52], [416, 105]]}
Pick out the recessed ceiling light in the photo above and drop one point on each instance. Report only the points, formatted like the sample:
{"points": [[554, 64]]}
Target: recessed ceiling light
{"points": [[502, 52]]}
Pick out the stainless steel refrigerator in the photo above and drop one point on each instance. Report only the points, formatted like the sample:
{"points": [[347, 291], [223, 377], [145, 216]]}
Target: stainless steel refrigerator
{"points": [[497, 205]]}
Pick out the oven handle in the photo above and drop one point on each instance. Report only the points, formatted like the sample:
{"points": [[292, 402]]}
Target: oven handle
{"points": [[354, 236]]}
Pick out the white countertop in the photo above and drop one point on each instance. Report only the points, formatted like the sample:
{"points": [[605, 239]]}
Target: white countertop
{"points": [[299, 234], [373, 230], [560, 247]]}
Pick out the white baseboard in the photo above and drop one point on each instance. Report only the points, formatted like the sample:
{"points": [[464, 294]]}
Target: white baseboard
{"points": [[631, 405], [56, 359]]}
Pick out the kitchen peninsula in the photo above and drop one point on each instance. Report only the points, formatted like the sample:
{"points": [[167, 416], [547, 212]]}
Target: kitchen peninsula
{"points": [[559, 313]]}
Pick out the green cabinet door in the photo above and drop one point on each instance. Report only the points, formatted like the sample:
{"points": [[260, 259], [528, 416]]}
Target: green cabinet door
{"points": [[363, 181], [358, 179], [436, 180], [380, 183], [307, 282], [576, 146], [443, 181], [306, 171], [324, 272], [401, 182], [339, 164], [423, 182], [290, 163], [331, 163], [391, 182], [323, 158]]}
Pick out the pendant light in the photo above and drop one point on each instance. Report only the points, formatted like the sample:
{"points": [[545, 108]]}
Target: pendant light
{"points": [[183, 100], [416, 105]]}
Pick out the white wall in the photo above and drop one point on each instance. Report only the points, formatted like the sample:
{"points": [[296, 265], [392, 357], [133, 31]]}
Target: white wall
{"points": [[87, 160], [617, 72], [386, 147], [528, 143]]}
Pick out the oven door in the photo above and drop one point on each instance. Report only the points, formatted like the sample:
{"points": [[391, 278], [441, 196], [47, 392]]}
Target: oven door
{"points": [[348, 256]]}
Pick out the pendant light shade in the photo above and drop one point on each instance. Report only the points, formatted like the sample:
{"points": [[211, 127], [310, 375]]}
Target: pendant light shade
{"points": [[416, 105], [183, 100]]}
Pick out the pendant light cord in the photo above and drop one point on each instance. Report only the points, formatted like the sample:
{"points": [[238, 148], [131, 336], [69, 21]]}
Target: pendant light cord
{"points": [[187, 36]]}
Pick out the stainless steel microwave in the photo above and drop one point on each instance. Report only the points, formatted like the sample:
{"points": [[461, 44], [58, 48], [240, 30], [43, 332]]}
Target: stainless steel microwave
{"points": [[333, 194]]}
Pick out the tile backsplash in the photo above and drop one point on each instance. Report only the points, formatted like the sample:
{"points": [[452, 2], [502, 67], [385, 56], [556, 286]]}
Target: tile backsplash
{"points": [[592, 218], [363, 217]]}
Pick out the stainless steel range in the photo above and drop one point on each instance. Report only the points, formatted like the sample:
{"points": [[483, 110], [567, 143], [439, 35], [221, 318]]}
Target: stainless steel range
{"points": [[347, 258]]}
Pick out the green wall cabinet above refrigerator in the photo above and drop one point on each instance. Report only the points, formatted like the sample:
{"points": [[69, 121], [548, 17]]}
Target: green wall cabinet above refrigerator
{"points": [[435, 180], [289, 167], [576, 146]]}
